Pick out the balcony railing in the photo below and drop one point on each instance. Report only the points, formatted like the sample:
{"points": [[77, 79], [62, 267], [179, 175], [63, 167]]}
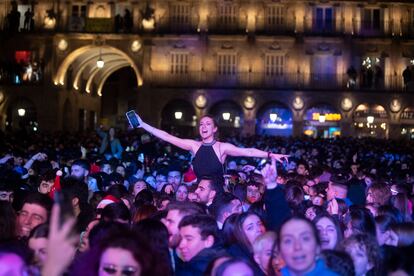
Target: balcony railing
{"points": [[262, 80], [323, 27], [372, 27], [274, 26], [176, 25], [226, 25]]}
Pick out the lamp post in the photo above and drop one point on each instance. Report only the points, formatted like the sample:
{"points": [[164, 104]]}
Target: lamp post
{"points": [[178, 115]]}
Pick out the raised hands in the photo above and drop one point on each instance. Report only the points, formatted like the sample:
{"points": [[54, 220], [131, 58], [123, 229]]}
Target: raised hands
{"points": [[269, 173], [60, 246], [279, 157]]}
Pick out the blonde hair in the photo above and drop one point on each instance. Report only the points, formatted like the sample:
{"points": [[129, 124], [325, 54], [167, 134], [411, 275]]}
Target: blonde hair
{"points": [[268, 237]]}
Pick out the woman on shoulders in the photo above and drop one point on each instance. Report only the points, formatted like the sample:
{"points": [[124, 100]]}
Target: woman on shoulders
{"points": [[210, 152]]}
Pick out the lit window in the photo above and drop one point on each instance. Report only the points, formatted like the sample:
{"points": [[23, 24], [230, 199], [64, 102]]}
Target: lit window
{"points": [[324, 19], [274, 65], [226, 64], [180, 15], [227, 14], [179, 63], [372, 20], [275, 16]]}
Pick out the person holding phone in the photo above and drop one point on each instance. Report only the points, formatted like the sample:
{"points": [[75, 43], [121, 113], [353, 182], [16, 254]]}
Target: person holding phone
{"points": [[209, 154], [110, 144]]}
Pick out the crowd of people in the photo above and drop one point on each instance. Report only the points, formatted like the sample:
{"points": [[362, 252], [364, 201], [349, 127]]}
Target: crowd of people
{"points": [[145, 202]]}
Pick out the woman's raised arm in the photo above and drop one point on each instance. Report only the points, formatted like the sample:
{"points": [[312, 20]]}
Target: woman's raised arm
{"points": [[232, 150], [185, 144]]}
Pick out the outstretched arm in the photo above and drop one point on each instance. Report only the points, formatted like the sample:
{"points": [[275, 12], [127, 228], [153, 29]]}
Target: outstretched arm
{"points": [[185, 144], [232, 150]]}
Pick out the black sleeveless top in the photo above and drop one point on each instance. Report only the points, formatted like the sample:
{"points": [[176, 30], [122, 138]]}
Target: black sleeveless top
{"points": [[206, 162]]}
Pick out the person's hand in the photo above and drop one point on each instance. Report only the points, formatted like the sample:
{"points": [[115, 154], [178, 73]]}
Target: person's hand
{"points": [[333, 207], [40, 156], [169, 189], [55, 165], [391, 238], [139, 120], [269, 174], [60, 245], [280, 157]]}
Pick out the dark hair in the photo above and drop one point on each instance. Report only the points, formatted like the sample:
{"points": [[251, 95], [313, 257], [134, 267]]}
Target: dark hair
{"points": [[7, 221], [40, 231], [222, 204], [82, 163], [361, 220], [115, 212], [104, 229], [186, 208], [118, 191], [206, 224], [144, 212], [240, 236], [228, 234], [49, 175], [383, 222], [390, 211], [405, 233], [339, 231], [156, 234], [39, 199], [127, 240], [339, 262], [143, 197], [74, 188], [214, 183]]}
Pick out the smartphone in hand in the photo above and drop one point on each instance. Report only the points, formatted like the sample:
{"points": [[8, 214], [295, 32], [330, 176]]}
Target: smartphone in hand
{"points": [[132, 118]]}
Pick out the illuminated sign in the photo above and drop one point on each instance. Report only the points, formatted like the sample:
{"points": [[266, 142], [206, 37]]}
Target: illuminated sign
{"points": [[328, 117]]}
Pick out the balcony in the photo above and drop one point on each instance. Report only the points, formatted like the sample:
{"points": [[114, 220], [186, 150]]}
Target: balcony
{"points": [[226, 25], [372, 27], [273, 26], [182, 25], [303, 81], [323, 27]]}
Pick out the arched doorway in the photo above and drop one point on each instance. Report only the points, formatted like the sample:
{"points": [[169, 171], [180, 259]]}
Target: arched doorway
{"points": [[22, 116], [274, 119], [119, 95], [322, 121], [407, 123], [94, 64], [229, 116], [178, 118], [371, 121]]}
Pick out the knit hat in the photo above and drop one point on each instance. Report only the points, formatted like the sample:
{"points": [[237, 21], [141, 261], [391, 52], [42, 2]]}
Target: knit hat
{"points": [[109, 199]]}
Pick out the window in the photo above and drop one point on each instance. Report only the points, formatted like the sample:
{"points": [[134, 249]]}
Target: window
{"points": [[226, 64], [275, 16], [274, 65], [324, 19], [227, 14], [179, 63], [79, 10], [372, 19], [180, 14]]}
